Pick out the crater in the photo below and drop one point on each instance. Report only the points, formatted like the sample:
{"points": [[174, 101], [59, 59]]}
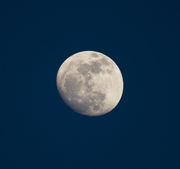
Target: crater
{"points": [[104, 61], [96, 107], [80, 107], [83, 68], [88, 82], [94, 55], [95, 67], [72, 85], [88, 87], [91, 102], [97, 97], [109, 71], [88, 76]]}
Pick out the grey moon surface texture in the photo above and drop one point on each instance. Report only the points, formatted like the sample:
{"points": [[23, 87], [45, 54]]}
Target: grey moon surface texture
{"points": [[90, 83]]}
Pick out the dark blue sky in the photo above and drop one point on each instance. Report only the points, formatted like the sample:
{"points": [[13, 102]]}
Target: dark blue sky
{"points": [[39, 131]]}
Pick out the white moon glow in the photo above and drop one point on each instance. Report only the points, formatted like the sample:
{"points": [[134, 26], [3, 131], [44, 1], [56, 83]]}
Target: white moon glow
{"points": [[90, 83]]}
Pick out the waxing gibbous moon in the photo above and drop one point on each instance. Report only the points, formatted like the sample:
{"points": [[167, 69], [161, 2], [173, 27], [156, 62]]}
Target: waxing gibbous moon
{"points": [[90, 83]]}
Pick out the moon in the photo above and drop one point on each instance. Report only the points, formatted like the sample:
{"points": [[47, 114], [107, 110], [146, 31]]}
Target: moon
{"points": [[90, 83]]}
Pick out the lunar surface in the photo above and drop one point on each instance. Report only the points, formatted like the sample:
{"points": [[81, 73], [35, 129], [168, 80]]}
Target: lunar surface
{"points": [[90, 83]]}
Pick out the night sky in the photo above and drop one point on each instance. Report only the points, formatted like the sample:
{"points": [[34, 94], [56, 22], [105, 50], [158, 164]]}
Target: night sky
{"points": [[38, 131]]}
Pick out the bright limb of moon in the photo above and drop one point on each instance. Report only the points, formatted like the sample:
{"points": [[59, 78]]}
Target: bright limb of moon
{"points": [[90, 83]]}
